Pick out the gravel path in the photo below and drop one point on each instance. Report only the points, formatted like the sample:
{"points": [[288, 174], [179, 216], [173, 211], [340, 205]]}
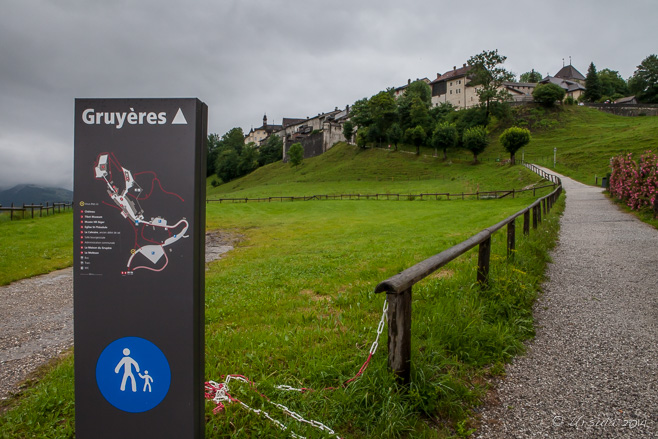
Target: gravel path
{"points": [[592, 369], [36, 318]]}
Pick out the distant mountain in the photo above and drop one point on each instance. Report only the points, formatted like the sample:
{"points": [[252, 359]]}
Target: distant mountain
{"points": [[33, 194]]}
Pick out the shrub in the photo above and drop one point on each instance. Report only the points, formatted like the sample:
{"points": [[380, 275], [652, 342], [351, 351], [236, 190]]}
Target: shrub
{"points": [[635, 182], [296, 154], [548, 94]]}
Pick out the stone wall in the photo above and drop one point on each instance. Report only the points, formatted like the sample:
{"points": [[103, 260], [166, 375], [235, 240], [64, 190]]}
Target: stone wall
{"points": [[627, 109]]}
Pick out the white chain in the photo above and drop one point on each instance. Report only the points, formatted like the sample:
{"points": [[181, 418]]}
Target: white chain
{"points": [[221, 391]]}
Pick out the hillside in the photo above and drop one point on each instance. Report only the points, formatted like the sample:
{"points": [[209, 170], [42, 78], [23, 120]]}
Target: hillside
{"points": [[347, 169], [585, 139], [30, 193]]}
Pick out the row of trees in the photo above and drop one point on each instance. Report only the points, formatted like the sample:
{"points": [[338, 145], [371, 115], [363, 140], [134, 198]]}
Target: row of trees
{"points": [[608, 85], [230, 158], [412, 119]]}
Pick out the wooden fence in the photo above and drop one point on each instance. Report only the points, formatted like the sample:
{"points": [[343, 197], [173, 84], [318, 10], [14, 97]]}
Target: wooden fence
{"points": [[398, 288], [40, 208], [422, 196]]}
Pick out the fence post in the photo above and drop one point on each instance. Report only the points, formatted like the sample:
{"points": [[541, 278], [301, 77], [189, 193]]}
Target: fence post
{"points": [[484, 253], [526, 222], [399, 334], [511, 238], [543, 202]]}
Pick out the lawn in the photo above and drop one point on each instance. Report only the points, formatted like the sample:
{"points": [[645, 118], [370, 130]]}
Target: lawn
{"points": [[293, 305], [29, 247]]}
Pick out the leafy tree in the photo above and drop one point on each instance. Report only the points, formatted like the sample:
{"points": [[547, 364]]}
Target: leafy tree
{"points": [[227, 164], [248, 159], [415, 90], [488, 78], [395, 134], [441, 112], [513, 139], [362, 137], [271, 151], [348, 130], [548, 94], [233, 139], [475, 140], [644, 83], [296, 154], [416, 136], [530, 76], [592, 85], [613, 85], [360, 113], [444, 137], [468, 118], [212, 150], [419, 114], [228, 151]]}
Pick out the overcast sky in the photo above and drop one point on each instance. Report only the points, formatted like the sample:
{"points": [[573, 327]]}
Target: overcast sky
{"points": [[244, 58]]}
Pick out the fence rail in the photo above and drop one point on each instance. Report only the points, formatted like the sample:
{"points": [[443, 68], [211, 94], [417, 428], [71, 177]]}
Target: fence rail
{"points": [[422, 196], [40, 208], [398, 288]]}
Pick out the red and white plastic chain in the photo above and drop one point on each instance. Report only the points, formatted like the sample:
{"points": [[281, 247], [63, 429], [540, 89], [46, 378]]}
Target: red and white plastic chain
{"points": [[218, 392]]}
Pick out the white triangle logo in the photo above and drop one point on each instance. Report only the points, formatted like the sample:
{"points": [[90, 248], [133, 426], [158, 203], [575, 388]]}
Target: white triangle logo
{"points": [[179, 119]]}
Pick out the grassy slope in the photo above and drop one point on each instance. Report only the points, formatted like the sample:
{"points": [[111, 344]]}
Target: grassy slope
{"points": [[347, 169], [585, 139]]}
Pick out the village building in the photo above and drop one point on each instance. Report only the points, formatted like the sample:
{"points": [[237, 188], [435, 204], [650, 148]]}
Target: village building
{"points": [[260, 134], [399, 91], [570, 79]]}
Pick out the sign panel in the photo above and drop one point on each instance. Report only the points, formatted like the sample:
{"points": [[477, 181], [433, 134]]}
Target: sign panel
{"points": [[139, 230]]}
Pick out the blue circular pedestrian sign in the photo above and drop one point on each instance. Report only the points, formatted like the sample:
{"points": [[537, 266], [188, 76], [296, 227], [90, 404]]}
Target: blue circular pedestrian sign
{"points": [[133, 374]]}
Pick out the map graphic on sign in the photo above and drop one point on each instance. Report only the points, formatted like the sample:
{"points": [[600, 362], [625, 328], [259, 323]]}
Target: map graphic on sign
{"points": [[133, 374], [151, 235]]}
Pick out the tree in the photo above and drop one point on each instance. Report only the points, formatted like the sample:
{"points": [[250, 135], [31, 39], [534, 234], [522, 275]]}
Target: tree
{"points": [[488, 78], [271, 151], [613, 85], [475, 140], [212, 150], [348, 130], [415, 90], [227, 165], [644, 82], [548, 94], [362, 137], [360, 113], [395, 134], [416, 136], [382, 112], [444, 137], [592, 85], [530, 76], [513, 139], [419, 114], [248, 159], [296, 154]]}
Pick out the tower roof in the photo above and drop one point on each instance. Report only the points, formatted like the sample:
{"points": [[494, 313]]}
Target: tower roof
{"points": [[569, 72]]}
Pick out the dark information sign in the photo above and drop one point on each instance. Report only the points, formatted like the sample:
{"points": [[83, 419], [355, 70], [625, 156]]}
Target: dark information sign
{"points": [[139, 230]]}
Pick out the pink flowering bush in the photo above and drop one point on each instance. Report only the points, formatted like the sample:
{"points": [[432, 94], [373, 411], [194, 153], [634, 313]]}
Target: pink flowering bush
{"points": [[635, 182]]}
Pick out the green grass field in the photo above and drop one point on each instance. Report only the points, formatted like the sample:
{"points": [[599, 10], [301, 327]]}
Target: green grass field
{"points": [[29, 247], [293, 304], [586, 139]]}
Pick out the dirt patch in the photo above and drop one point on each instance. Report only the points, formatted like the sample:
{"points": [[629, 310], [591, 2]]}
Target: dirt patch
{"points": [[219, 242]]}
